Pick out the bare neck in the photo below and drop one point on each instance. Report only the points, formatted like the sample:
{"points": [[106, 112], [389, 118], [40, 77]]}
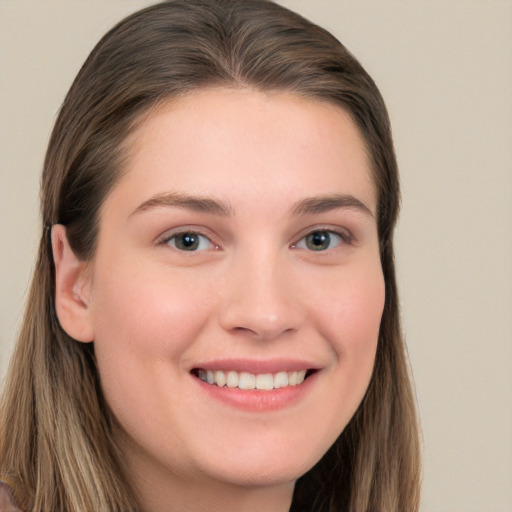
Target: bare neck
{"points": [[221, 498]]}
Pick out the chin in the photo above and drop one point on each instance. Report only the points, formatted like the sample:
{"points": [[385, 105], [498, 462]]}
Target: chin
{"points": [[273, 470]]}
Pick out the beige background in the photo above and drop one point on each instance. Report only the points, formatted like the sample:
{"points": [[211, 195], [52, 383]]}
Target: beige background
{"points": [[445, 69]]}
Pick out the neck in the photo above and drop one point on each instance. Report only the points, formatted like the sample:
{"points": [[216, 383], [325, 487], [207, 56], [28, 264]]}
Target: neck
{"points": [[198, 497], [167, 493]]}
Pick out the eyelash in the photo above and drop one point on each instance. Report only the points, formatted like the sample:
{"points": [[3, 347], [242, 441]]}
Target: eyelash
{"points": [[193, 233], [344, 236]]}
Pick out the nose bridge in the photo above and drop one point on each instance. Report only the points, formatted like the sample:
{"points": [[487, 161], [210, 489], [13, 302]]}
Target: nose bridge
{"points": [[259, 295]]}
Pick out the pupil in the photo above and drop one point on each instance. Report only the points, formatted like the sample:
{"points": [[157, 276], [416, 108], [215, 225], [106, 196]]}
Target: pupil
{"points": [[188, 241], [318, 241]]}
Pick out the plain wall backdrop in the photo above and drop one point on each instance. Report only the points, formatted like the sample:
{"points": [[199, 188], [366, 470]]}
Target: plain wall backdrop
{"points": [[444, 68]]}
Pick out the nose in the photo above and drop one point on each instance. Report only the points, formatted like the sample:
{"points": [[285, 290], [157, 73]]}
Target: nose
{"points": [[259, 299]]}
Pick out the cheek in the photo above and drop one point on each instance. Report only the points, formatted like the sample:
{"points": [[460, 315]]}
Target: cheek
{"points": [[145, 323], [351, 310], [351, 322], [347, 313], [147, 312]]}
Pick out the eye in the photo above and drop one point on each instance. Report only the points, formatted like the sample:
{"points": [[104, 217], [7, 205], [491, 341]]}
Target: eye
{"points": [[189, 241], [321, 240]]}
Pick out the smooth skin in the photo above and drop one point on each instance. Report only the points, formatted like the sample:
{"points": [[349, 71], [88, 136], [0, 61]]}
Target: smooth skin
{"points": [[243, 228]]}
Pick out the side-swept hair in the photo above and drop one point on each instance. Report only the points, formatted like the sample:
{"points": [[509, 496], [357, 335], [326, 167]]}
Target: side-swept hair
{"points": [[55, 444]]}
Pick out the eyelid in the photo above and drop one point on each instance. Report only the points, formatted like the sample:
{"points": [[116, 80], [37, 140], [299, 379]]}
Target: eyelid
{"points": [[194, 230], [346, 236]]}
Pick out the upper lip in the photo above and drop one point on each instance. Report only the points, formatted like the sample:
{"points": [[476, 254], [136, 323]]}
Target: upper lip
{"points": [[257, 366]]}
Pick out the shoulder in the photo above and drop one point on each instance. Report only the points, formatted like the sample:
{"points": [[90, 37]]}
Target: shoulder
{"points": [[8, 501]]}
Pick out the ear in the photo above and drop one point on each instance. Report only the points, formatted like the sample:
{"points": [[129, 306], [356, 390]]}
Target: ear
{"points": [[72, 288]]}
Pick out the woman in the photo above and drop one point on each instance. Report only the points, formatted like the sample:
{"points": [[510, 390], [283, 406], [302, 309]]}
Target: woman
{"points": [[213, 321]]}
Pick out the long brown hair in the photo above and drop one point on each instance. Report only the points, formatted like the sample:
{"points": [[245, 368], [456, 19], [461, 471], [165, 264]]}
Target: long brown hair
{"points": [[56, 444]]}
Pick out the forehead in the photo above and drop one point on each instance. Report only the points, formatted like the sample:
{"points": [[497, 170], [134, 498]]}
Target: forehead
{"points": [[225, 142]]}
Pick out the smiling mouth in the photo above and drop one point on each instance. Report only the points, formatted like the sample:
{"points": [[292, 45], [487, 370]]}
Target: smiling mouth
{"points": [[252, 381]]}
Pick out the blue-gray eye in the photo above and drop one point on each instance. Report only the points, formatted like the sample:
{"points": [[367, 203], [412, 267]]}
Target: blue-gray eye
{"points": [[320, 241], [189, 241]]}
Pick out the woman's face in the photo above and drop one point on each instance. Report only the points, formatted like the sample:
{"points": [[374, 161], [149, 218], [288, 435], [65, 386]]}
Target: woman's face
{"points": [[239, 250]]}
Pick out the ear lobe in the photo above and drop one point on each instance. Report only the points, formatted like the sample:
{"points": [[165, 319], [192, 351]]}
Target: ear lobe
{"points": [[72, 288]]}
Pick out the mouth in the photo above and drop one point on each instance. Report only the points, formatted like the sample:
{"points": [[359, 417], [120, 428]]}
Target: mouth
{"points": [[252, 381]]}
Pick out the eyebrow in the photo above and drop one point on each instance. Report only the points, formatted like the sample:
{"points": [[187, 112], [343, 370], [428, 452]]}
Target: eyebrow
{"points": [[321, 204], [204, 204], [195, 203]]}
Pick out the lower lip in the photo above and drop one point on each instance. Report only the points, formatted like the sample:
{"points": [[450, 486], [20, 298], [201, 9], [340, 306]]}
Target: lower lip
{"points": [[254, 400]]}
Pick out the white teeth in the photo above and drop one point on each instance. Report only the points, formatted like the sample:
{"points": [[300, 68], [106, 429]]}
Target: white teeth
{"points": [[232, 380], [280, 380], [246, 380], [264, 381], [219, 378]]}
